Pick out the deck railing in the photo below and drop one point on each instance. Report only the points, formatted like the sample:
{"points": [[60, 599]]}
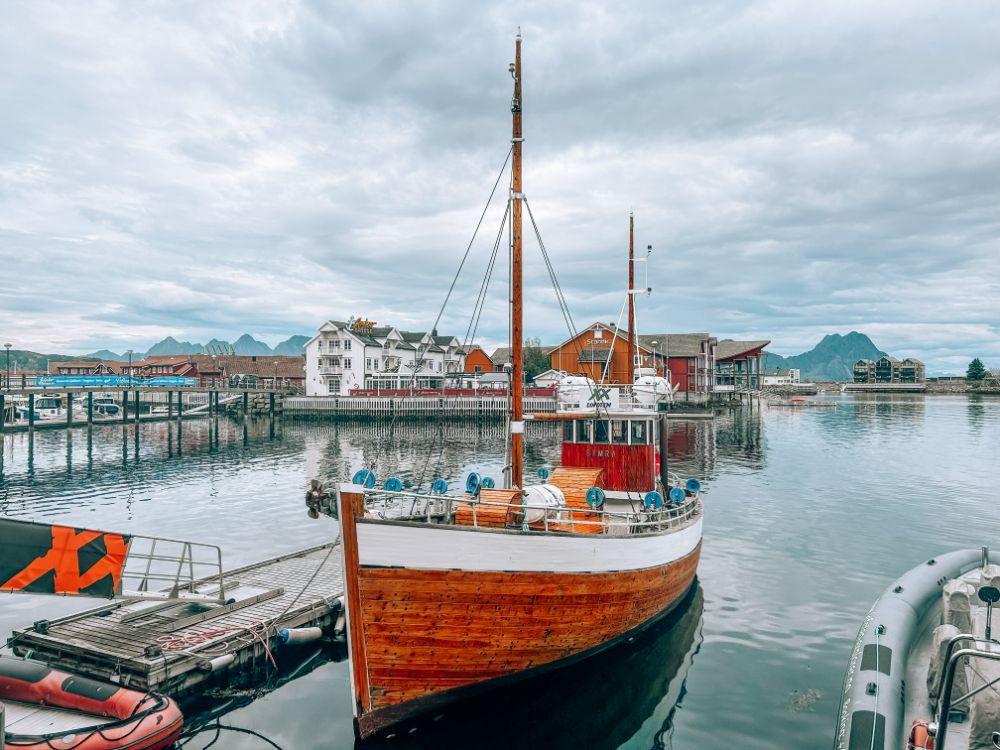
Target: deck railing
{"points": [[431, 508]]}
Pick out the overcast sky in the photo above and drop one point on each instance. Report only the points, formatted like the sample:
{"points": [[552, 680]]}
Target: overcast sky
{"points": [[204, 169]]}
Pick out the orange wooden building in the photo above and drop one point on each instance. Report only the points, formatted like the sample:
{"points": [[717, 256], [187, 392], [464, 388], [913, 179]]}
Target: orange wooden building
{"points": [[476, 360], [587, 353]]}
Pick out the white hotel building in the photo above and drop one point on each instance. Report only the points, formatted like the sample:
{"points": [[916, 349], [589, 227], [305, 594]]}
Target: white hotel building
{"points": [[343, 357]]}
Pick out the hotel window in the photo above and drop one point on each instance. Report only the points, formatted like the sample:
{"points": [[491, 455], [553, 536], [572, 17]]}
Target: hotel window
{"points": [[347, 343], [347, 363], [375, 363], [336, 344]]}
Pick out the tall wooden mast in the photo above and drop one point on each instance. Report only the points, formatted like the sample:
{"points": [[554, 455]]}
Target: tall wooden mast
{"points": [[630, 372], [517, 349]]}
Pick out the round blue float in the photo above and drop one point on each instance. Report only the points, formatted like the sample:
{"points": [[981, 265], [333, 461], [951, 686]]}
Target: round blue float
{"points": [[439, 487], [653, 500], [595, 497], [392, 484], [488, 483], [677, 495], [365, 477], [693, 485], [473, 483], [543, 473]]}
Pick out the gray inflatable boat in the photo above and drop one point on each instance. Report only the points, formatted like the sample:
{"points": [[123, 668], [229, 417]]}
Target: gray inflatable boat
{"points": [[925, 669]]}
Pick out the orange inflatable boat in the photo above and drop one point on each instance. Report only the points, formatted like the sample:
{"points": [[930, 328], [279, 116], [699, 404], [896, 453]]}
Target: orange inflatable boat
{"points": [[46, 708]]}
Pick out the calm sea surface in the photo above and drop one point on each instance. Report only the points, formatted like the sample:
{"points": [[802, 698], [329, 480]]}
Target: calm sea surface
{"points": [[810, 513]]}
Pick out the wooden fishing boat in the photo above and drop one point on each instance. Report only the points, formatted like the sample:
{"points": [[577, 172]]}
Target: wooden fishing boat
{"points": [[453, 594], [45, 708], [925, 668]]}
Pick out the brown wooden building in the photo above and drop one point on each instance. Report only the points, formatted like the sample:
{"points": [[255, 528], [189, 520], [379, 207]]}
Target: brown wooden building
{"points": [[598, 353]]}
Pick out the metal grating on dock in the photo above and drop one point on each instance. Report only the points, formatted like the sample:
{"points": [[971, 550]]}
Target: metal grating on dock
{"points": [[173, 645]]}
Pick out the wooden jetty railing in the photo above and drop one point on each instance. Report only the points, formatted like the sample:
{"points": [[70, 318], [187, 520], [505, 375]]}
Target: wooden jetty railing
{"points": [[413, 406]]}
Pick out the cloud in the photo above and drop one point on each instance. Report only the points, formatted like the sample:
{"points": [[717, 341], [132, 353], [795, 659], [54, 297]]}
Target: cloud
{"points": [[204, 169]]}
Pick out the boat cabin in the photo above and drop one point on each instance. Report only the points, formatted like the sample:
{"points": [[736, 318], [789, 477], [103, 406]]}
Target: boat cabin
{"points": [[623, 446]]}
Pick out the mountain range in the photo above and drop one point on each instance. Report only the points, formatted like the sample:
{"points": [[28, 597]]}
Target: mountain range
{"points": [[832, 358], [247, 345]]}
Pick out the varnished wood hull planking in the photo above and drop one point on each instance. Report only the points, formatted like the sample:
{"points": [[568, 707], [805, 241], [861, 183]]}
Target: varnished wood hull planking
{"points": [[427, 631], [423, 633]]}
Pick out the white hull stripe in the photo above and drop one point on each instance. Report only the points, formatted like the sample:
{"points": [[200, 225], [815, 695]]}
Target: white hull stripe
{"points": [[450, 548]]}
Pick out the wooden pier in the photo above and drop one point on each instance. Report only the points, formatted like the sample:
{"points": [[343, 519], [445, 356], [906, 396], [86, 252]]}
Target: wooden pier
{"points": [[176, 644], [172, 403]]}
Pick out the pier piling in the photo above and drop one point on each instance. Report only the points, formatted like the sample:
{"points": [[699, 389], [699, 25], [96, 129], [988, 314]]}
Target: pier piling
{"points": [[124, 407], [90, 407], [69, 409], [137, 406], [170, 405], [31, 412]]}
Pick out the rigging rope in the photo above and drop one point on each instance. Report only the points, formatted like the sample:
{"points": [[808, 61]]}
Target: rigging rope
{"points": [[563, 305], [418, 357]]}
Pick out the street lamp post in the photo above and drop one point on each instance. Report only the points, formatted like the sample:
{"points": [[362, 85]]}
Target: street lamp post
{"points": [[7, 347], [656, 354]]}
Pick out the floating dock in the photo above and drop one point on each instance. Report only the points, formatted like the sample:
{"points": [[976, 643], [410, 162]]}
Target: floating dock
{"points": [[175, 644]]}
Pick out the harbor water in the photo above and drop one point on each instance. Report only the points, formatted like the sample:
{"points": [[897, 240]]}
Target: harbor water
{"points": [[810, 514]]}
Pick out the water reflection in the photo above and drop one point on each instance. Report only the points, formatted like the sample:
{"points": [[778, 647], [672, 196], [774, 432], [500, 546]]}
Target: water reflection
{"points": [[809, 515]]}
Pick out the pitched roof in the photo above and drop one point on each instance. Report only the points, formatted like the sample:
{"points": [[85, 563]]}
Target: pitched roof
{"points": [[261, 366], [677, 344], [728, 349], [500, 355], [87, 363]]}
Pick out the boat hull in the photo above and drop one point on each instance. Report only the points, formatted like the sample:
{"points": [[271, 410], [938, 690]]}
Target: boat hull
{"points": [[423, 634]]}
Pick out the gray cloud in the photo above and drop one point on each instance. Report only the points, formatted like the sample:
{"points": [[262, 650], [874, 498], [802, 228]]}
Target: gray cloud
{"points": [[204, 169]]}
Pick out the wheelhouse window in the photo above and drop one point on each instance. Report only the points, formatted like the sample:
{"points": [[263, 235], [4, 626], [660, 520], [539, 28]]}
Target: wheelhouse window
{"points": [[602, 431], [640, 433], [583, 431], [568, 432], [619, 431]]}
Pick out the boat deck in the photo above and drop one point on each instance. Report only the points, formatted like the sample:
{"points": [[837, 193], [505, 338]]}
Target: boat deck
{"points": [[35, 719], [174, 645]]}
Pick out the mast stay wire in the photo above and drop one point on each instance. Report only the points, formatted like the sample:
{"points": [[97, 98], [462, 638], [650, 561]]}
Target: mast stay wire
{"points": [[614, 337], [451, 288], [563, 305], [477, 310]]}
